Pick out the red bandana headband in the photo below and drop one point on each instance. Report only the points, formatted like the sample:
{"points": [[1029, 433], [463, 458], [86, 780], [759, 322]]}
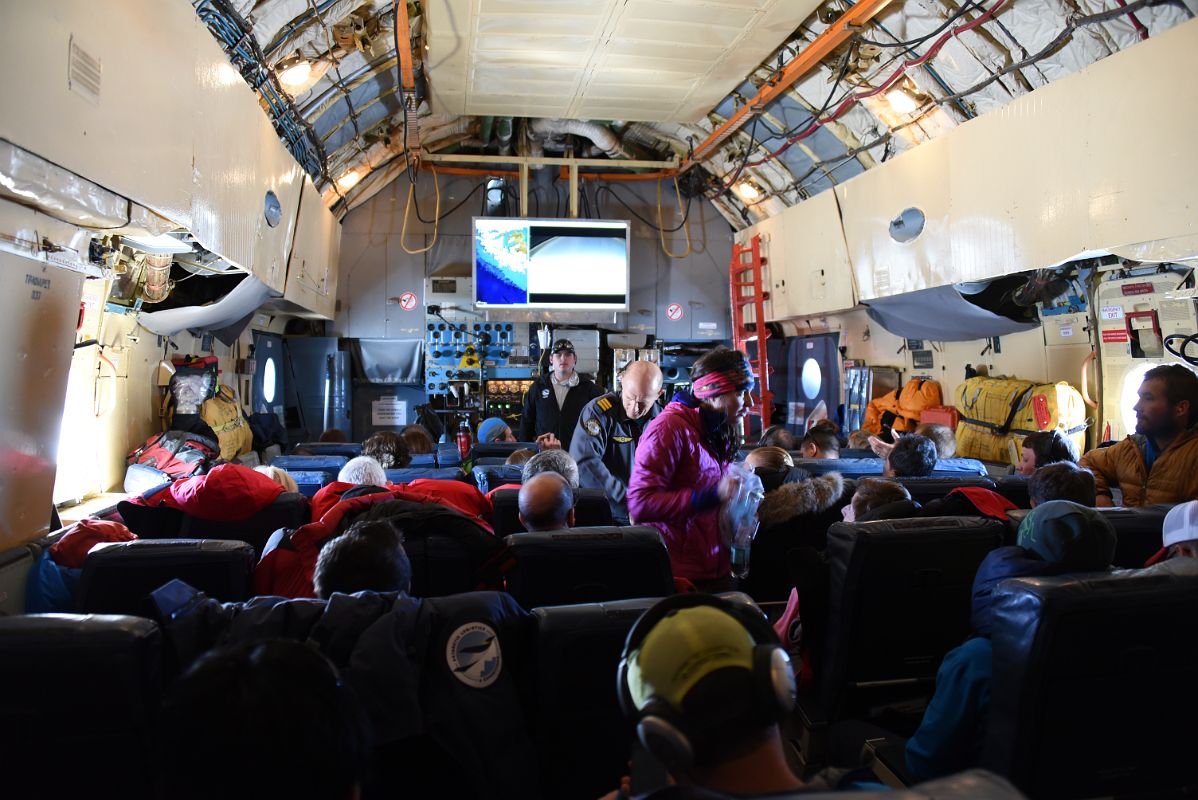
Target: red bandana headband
{"points": [[714, 384]]}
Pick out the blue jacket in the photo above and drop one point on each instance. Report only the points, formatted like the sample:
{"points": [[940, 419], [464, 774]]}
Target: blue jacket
{"points": [[953, 730]]}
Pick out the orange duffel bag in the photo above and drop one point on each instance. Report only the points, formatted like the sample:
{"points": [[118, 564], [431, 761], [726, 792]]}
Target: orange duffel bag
{"points": [[900, 409]]}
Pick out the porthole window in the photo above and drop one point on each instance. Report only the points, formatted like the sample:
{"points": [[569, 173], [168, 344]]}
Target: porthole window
{"points": [[268, 380], [272, 209], [907, 226], [812, 378]]}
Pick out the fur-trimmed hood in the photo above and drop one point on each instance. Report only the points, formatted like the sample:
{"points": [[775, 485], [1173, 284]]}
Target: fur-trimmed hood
{"points": [[801, 497]]}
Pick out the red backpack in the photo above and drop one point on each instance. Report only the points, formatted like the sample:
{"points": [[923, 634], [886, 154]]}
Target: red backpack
{"points": [[177, 454]]}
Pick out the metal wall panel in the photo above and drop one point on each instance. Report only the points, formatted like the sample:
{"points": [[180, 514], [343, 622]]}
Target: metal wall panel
{"points": [[312, 270], [40, 307]]}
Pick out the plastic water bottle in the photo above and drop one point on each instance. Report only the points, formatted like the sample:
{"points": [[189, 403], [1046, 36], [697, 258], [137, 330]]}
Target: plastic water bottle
{"points": [[742, 542], [465, 440]]}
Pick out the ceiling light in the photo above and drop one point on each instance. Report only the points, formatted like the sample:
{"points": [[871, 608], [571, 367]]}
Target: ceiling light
{"points": [[901, 101], [296, 74], [349, 180], [747, 191]]}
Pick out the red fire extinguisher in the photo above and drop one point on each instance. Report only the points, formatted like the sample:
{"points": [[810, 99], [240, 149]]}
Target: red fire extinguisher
{"points": [[465, 440]]}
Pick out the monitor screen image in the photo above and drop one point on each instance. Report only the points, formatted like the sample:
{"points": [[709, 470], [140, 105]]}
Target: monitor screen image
{"points": [[551, 263]]}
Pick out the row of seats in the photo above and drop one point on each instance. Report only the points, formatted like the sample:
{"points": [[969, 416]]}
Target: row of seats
{"points": [[446, 454], [1074, 657]]}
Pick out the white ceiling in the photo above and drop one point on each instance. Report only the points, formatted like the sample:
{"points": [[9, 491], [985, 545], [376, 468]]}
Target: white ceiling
{"points": [[637, 60]]}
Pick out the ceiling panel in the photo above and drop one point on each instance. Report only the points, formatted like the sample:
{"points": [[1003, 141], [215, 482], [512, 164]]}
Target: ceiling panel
{"points": [[664, 60]]}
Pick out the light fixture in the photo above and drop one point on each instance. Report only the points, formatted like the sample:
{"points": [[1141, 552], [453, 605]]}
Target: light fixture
{"points": [[747, 191], [902, 101], [295, 73], [349, 180], [163, 244]]}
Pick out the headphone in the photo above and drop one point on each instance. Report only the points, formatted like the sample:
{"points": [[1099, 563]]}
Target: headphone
{"points": [[666, 731]]}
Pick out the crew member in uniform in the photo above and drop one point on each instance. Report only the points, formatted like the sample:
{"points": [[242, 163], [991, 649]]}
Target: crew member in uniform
{"points": [[555, 399], [608, 431]]}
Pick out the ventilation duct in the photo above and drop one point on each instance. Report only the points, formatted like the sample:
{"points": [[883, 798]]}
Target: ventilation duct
{"points": [[601, 136]]}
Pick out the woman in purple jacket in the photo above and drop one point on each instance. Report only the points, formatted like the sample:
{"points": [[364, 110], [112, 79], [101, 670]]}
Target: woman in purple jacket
{"points": [[678, 480]]}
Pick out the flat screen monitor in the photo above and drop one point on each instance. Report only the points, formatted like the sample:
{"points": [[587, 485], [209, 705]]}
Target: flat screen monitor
{"points": [[551, 263]]}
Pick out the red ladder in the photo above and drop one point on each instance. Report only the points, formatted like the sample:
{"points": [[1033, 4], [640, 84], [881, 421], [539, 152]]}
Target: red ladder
{"points": [[745, 280]]}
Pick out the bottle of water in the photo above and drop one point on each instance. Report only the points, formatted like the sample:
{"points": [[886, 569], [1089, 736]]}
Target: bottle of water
{"points": [[742, 543]]}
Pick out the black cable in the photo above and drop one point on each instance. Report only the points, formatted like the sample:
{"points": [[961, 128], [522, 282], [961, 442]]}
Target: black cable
{"points": [[653, 225], [969, 5], [841, 73]]}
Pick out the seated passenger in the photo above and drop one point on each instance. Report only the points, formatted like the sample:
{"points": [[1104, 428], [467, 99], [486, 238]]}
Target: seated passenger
{"points": [[361, 471], [389, 449], [859, 439], [1159, 462], [778, 436], [820, 443], [911, 457], [369, 556], [941, 435], [878, 498], [1063, 480], [519, 457], [796, 512], [558, 461], [546, 503], [1055, 538], [493, 429], [1179, 535], [280, 704], [418, 439], [333, 436], [1043, 448], [279, 476], [694, 680]]}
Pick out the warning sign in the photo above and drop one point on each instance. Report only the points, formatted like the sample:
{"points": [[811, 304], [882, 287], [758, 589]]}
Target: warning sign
{"points": [[1114, 335], [674, 312], [407, 301], [389, 411]]}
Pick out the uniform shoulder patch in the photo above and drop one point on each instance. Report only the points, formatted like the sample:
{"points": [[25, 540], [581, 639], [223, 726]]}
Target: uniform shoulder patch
{"points": [[591, 426], [604, 404], [473, 655]]}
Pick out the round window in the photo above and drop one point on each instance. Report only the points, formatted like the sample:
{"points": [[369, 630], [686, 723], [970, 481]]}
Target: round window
{"points": [[272, 209], [907, 225], [268, 380], [812, 378]]}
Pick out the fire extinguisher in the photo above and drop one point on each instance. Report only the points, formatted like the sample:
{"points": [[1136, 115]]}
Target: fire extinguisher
{"points": [[465, 440]]}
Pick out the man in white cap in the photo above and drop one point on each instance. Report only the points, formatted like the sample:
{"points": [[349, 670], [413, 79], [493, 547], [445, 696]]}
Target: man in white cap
{"points": [[1179, 536]]}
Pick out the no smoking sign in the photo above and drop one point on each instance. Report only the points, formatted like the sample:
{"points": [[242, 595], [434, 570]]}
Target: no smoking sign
{"points": [[674, 312], [407, 301]]}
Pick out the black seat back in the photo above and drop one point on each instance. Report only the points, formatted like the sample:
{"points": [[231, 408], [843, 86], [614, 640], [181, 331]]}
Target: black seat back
{"points": [[1137, 530], [933, 487], [588, 565], [500, 449], [591, 509], [118, 578], [1091, 690], [80, 698], [1014, 488], [289, 510], [581, 736], [900, 595]]}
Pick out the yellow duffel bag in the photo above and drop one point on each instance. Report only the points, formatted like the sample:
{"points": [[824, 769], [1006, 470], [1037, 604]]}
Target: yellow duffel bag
{"points": [[997, 413]]}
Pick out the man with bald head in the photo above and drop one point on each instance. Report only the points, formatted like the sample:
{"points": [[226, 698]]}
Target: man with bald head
{"points": [[547, 503], [609, 428]]}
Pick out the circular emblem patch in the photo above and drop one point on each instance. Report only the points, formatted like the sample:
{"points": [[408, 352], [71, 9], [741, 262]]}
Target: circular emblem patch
{"points": [[592, 427], [544, 393], [473, 655]]}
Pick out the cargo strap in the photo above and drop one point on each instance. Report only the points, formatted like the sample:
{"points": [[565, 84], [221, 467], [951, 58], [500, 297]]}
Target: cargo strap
{"points": [[1003, 430]]}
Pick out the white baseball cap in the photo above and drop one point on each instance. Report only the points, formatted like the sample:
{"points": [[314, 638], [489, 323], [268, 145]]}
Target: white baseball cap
{"points": [[1181, 524]]}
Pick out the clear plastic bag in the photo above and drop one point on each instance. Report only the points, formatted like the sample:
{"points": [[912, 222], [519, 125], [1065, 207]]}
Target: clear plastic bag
{"points": [[738, 516]]}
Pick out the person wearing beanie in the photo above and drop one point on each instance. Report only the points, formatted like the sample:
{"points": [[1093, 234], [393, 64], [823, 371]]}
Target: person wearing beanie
{"points": [[1056, 538], [1179, 535], [493, 429]]}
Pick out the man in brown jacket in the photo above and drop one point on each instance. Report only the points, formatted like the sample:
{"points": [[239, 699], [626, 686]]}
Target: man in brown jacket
{"points": [[1159, 463]]}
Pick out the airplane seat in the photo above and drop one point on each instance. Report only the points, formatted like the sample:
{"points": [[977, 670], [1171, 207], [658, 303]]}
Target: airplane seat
{"points": [[311, 481], [581, 736], [79, 686], [424, 460], [448, 455], [489, 461], [587, 565], [1137, 530], [1014, 488], [490, 476], [591, 509], [899, 599], [500, 449], [347, 449], [934, 487], [288, 510], [331, 464], [1091, 690], [449, 552], [407, 474], [852, 467], [118, 578]]}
